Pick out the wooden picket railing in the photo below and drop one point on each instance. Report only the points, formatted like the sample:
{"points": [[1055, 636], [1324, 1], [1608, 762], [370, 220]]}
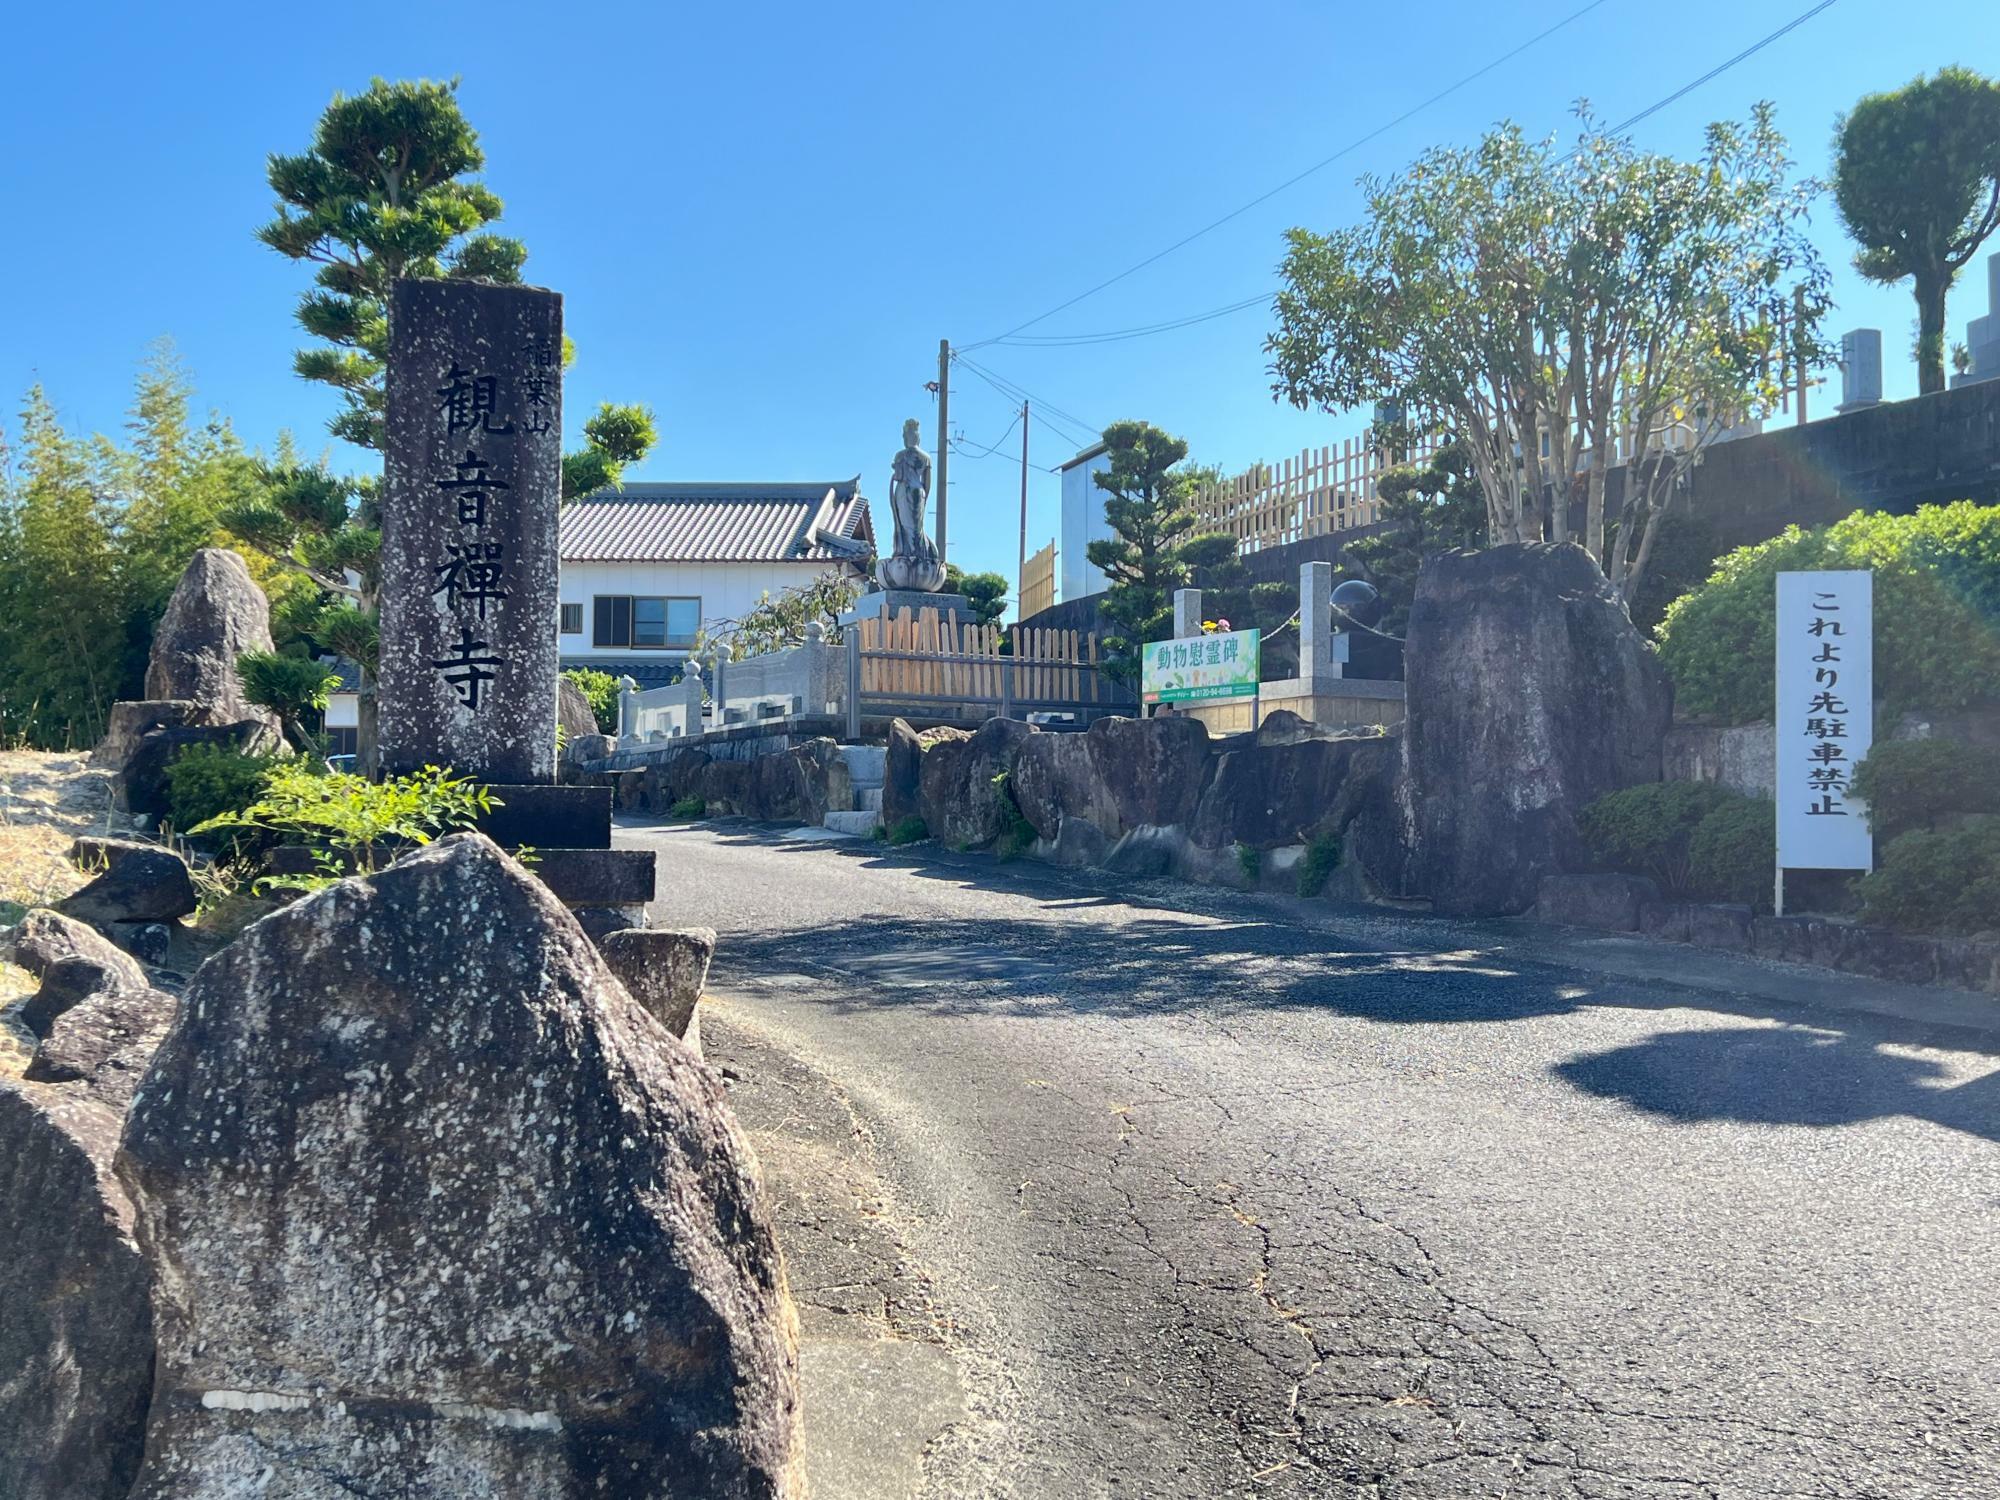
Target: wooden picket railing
{"points": [[958, 669], [1335, 487], [1038, 582]]}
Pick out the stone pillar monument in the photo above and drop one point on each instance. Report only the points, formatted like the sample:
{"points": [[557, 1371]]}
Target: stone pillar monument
{"points": [[469, 507]]}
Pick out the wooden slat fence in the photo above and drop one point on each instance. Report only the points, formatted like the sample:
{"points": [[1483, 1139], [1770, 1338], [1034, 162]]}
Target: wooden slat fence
{"points": [[1038, 582], [925, 658]]}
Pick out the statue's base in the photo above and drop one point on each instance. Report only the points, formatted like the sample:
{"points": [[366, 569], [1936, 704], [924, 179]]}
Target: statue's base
{"points": [[869, 606]]}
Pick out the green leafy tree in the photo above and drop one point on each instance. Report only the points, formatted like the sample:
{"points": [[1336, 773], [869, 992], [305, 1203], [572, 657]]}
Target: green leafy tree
{"points": [[986, 592], [1553, 306], [600, 691], [778, 621], [1916, 177], [1147, 503]]}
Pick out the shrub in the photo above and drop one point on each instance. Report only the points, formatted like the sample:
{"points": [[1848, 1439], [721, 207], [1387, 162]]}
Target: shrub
{"points": [[351, 821], [1937, 612], [689, 808], [1944, 882], [1017, 834], [1251, 862], [1322, 858], [1733, 852], [909, 830], [600, 691], [1919, 783], [206, 781], [1646, 829]]}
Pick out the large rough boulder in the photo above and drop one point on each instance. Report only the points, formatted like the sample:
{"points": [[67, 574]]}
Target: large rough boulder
{"points": [[1289, 787], [437, 1209], [141, 786], [802, 784], [45, 938], [132, 721], [958, 793], [1122, 774], [671, 778], [105, 1040], [217, 612], [1530, 695], [902, 773], [573, 712], [727, 787], [135, 883], [76, 1339]]}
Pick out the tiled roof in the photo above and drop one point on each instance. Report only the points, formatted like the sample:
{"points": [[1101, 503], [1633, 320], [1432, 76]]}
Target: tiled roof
{"points": [[809, 522]]}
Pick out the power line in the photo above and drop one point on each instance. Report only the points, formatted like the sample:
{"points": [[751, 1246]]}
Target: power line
{"points": [[1065, 340], [1318, 166], [959, 445], [1060, 341], [1050, 411]]}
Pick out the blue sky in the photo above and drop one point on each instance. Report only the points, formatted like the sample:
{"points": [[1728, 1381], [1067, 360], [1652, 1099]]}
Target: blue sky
{"points": [[765, 217]]}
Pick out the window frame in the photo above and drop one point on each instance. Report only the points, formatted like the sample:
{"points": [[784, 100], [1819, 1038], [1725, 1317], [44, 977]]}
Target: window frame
{"points": [[611, 611], [563, 618]]}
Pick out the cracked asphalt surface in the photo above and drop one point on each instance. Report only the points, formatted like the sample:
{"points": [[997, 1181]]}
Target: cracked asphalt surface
{"points": [[1227, 1197]]}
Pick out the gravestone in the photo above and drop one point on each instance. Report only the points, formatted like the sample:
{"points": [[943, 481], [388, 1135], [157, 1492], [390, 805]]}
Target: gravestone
{"points": [[469, 515]]}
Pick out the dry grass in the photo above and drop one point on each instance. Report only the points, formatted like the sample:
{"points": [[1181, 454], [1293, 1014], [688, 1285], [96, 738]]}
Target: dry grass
{"points": [[46, 800]]}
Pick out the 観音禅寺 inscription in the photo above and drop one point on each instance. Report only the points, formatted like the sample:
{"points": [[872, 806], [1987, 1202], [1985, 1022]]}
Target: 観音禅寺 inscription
{"points": [[470, 499]]}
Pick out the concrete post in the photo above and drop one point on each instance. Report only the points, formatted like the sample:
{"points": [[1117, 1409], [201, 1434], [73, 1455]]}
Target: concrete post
{"points": [[1860, 369], [1316, 621], [718, 692], [853, 682], [813, 695], [628, 709], [691, 710], [1187, 613]]}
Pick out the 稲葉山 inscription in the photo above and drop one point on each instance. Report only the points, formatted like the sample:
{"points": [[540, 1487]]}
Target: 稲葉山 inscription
{"points": [[469, 515]]}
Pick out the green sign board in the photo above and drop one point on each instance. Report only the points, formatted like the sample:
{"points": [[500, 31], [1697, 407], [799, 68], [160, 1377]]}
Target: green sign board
{"points": [[1223, 664]]}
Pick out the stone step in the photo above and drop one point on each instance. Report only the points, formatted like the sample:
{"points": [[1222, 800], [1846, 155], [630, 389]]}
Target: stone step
{"points": [[870, 798], [856, 824]]}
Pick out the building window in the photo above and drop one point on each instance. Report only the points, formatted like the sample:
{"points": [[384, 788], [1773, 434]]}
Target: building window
{"points": [[572, 619], [343, 741], [644, 622]]}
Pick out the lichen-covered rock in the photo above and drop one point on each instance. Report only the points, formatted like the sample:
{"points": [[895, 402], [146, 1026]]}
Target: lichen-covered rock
{"points": [[129, 722], [960, 798], [105, 1040], [135, 883], [800, 785], [46, 937], [1269, 791], [1120, 775], [76, 1334], [142, 787], [672, 778], [1530, 695], [725, 785], [217, 613], [902, 772], [574, 715], [663, 968], [434, 1213], [68, 983]]}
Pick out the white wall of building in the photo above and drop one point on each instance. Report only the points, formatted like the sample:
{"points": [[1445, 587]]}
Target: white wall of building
{"points": [[1082, 523], [727, 591]]}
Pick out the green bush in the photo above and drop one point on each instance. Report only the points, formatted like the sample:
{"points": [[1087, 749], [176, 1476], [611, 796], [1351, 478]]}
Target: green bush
{"points": [[354, 823], [1321, 859], [1251, 862], [600, 691], [1646, 829], [1942, 882], [689, 808], [1017, 834], [1937, 612], [207, 781], [1733, 852], [909, 830], [1910, 784]]}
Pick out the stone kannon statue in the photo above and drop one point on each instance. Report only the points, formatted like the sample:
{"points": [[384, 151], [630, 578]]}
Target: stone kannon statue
{"points": [[914, 564]]}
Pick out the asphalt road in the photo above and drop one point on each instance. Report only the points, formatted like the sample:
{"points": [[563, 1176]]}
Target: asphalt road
{"points": [[1223, 1197]]}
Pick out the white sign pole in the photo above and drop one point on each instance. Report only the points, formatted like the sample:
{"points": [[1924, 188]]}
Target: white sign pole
{"points": [[1824, 720]]}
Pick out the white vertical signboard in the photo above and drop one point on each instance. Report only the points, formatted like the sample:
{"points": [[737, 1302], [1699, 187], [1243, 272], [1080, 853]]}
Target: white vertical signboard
{"points": [[1825, 719]]}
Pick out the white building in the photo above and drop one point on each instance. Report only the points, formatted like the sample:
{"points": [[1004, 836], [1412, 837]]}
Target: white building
{"points": [[1083, 521], [647, 568]]}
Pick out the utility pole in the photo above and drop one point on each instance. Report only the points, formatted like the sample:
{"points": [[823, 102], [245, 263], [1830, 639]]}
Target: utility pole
{"points": [[943, 442], [1021, 569]]}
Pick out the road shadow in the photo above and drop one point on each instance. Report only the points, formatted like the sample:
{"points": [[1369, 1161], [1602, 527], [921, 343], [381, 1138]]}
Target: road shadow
{"points": [[1801, 1065]]}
